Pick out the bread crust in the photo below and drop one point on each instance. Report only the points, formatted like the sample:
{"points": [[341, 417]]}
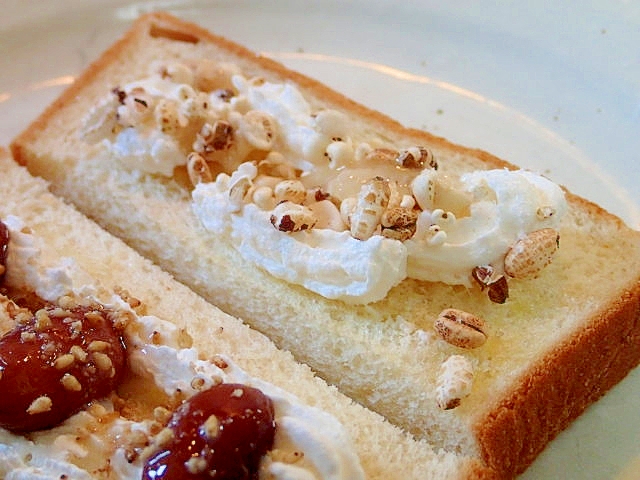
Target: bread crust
{"points": [[587, 365], [512, 432]]}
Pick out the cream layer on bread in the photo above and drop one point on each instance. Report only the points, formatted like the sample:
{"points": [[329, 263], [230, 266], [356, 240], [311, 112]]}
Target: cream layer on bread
{"points": [[90, 261], [555, 346]]}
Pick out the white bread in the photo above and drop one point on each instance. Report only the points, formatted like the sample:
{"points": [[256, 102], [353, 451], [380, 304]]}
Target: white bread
{"points": [[556, 346], [384, 450]]}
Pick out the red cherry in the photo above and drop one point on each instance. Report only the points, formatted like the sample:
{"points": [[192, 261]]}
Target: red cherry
{"points": [[219, 433], [54, 363]]}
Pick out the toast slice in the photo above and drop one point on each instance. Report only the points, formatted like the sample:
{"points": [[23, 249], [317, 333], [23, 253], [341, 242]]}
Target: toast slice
{"points": [[540, 357], [48, 234]]}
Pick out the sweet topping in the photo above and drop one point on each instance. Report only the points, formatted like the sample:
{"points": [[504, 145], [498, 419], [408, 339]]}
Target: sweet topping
{"points": [[291, 217], [290, 190], [498, 291], [488, 278], [214, 138], [272, 147], [485, 275], [399, 223], [454, 382], [134, 107], [221, 432], [39, 367], [212, 76], [64, 361], [461, 328], [328, 215], [276, 166], [347, 207], [417, 157], [40, 405], [70, 382], [502, 210], [198, 169], [380, 155], [371, 203], [262, 196], [545, 212], [79, 354], [529, 255], [258, 129]]}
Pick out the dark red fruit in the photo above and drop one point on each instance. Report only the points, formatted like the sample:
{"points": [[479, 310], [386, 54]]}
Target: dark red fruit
{"points": [[220, 433], [4, 244], [54, 363]]}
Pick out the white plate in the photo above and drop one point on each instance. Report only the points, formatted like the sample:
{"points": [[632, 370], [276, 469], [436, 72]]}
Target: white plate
{"points": [[551, 86]]}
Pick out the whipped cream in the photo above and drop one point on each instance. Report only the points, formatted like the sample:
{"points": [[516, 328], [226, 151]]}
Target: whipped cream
{"points": [[304, 136], [331, 263], [503, 206], [155, 152], [26, 269], [22, 459], [506, 207], [328, 452]]}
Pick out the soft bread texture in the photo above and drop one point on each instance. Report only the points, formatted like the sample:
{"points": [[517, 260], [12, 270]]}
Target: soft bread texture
{"points": [[558, 344], [385, 451]]}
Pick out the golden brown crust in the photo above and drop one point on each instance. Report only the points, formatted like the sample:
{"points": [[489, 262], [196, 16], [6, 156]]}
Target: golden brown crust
{"points": [[562, 385], [477, 470]]}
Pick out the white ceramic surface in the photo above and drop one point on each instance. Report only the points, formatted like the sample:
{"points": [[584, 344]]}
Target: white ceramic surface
{"points": [[551, 86]]}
